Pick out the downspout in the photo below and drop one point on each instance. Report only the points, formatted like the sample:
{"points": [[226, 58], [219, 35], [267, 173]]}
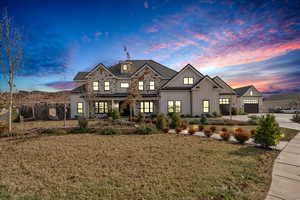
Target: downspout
{"points": [[191, 102]]}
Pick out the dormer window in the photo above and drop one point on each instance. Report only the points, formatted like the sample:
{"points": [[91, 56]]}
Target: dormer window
{"points": [[152, 87], [251, 93], [125, 67], [188, 81], [141, 85], [95, 85]]}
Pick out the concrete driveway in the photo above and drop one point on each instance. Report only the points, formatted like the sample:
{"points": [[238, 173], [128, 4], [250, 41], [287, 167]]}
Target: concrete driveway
{"points": [[284, 120]]}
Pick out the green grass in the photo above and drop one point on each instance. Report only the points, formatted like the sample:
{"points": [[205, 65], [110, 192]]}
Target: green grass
{"points": [[131, 167]]}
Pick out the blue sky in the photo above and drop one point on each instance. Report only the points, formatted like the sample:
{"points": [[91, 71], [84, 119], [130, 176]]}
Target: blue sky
{"points": [[244, 42]]}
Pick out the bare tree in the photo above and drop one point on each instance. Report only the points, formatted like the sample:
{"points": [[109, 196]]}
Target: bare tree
{"points": [[10, 56]]}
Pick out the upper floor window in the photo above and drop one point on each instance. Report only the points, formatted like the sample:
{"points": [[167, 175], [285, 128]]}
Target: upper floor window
{"points": [[188, 81], [125, 67], [106, 85], [80, 108], [124, 85], [95, 85], [251, 93], [152, 87], [141, 85], [205, 106]]}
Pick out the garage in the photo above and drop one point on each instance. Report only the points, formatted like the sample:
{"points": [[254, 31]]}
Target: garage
{"points": [[251, 108]]}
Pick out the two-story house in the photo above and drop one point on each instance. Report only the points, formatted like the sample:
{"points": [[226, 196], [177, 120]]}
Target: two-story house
{"points": [[156, 88]]}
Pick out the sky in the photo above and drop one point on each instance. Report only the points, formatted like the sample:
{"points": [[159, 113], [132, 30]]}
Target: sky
{"points": [[244, 42]]}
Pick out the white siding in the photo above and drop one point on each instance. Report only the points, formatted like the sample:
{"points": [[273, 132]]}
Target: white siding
{"points": [[74, 99], [183, 96]]}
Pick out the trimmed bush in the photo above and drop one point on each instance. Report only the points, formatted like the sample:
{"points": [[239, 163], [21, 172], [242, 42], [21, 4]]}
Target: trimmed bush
{"points": [[225, 135], [178, 130], [192, 131], [140, 118], [238, 130], [268, 132], [146, 129], [115, 114], [166, 130], [109, 131], [242, 137], [207, 132], [224, 129], [175, 120], [148, 121], [83, 123], [296, 118], [215, 114], [194, 121], [203, 119], [200, 128], [213, 129], [253, 131], [184, 125], [161, 121]]}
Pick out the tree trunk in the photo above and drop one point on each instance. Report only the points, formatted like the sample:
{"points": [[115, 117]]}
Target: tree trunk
{"points": [[10, 107]]}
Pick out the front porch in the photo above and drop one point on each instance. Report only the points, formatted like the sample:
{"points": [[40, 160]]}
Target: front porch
{"points": [[99, 108]]}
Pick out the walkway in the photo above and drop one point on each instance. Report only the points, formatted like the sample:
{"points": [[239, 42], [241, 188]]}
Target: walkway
{"points": [[286, 170]]}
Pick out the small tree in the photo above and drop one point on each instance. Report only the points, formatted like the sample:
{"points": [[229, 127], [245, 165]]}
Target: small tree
{"points": [[175, 120], [268, 132], [161, 121], [115, 114], [203, 119]]}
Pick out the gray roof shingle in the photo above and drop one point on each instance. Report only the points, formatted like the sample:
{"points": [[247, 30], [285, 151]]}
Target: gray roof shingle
{"points": [[242, 90], [80, 76]]}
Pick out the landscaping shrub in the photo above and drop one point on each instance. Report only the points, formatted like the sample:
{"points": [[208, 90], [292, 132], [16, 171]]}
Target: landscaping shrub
{"points": [[200, 128], [207, 132], [234, 111], [83, 123], [146, 129], [194, 121], [238, 130], [166, 130], [161, 121], [224, 129], [140, 118], [215, 114], [153, 116], [213, 129], [268, 132], [225, 135], [192, 131], [184, 125], [203, 119], [109, 131], [175, 120], [148, 120], [115, 114], [253, 131], [296, 118], [178, 130], [253, 120], [242, 137]]}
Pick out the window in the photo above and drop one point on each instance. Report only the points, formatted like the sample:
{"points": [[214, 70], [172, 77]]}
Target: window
{"points": [[146, 107], [177, 106], [101, 107], [152, 85], [80, 108], [251, 101], [124, 85], [170, 106], [141, 85], [188, 81], [125, 67], [251, 93], [205, 106], [95, 85], [174, 106], [106, 85], [223, 101]]}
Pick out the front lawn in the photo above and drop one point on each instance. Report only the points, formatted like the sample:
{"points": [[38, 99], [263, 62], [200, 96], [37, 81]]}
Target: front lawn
{"points": [[129, 167]]}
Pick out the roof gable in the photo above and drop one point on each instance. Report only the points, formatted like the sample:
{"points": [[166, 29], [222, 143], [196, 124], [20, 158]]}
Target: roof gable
{"points": [[243, 91], [225, 86], [206, 78], [98, 67], [145, 66], [175, 82]]}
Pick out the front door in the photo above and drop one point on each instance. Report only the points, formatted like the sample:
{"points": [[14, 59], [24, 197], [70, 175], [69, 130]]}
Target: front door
{"points": [[124, 108]]}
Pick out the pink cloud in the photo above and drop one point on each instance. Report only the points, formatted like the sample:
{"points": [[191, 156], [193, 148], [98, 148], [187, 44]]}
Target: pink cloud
{"points": [[151, 30], [239, 21], [202, 37], [158, 46], [230, 35], [272, 31], [146, 4]]}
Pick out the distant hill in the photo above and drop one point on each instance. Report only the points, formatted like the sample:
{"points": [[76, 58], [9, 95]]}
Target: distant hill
{"points": [[29, 97]]}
